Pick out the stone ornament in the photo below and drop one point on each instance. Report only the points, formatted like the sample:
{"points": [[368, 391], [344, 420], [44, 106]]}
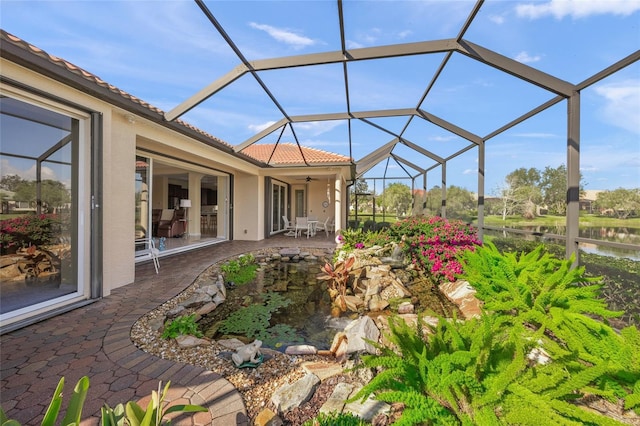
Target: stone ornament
{"points": [[248, 355]]}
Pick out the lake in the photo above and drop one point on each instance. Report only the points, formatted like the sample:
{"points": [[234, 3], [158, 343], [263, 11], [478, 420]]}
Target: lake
{"points": [[625, 235]]}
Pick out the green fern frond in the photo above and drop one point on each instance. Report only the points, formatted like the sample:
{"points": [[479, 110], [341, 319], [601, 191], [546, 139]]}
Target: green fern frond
{"points": [[578, 381], [418, 408], [577, 414]]}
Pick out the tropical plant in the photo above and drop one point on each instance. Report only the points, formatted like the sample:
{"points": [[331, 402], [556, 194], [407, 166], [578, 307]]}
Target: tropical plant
{"points": [[131, 414], [181, 326], [73, 414], [338, 277], [537, 348]]}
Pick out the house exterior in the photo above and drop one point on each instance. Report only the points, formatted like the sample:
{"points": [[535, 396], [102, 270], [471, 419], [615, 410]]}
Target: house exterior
{"points": [[103, 164]]}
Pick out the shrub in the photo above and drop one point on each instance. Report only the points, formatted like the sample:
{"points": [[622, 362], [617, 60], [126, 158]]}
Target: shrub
{"points": [[433, 243], [30, 229]]}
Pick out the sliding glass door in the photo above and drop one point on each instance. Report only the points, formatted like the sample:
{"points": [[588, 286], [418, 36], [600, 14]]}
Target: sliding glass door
{"points": [[42, 240], [279, 206]]}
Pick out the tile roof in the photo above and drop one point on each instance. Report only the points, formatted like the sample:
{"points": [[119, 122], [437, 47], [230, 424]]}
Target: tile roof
{"points": [[289, 154], [285, 154], [92, 78]]}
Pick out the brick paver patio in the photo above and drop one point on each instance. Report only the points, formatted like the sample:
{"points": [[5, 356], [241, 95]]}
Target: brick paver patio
{"points": [[94, 341]]}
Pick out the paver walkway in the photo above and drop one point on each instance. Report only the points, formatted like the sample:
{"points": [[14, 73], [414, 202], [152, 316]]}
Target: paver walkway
{"points": [[94, 341]]}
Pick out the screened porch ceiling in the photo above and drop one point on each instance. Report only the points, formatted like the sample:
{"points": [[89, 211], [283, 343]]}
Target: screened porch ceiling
{"points": [[386, 105], [400, 87]]}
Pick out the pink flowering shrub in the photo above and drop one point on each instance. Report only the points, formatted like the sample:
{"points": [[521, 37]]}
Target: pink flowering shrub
{"points": [[30, 229], [434, 243]]}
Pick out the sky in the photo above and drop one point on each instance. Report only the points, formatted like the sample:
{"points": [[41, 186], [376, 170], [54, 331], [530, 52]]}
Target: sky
{"points": [[165, 51]]}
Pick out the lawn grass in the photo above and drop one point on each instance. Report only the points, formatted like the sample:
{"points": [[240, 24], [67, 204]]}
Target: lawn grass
{"points": [[549, 220]]}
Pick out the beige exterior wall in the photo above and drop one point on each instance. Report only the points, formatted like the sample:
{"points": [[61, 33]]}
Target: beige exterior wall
{"points": [[248, 208], [125, 134]]}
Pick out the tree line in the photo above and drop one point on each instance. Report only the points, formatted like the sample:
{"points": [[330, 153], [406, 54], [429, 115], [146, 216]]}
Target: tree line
{"points": [[53, 193], [526, 192]]}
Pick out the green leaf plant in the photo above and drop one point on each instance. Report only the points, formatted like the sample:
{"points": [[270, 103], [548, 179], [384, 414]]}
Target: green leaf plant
{"points": [[131, 414], [181, 326], [483, 371]]}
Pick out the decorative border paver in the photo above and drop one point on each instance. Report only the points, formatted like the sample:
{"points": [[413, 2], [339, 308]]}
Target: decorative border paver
{"points": [[94, 340]]}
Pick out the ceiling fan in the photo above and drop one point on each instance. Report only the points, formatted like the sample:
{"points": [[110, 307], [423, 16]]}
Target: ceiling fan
{"points": [[307, 179]]}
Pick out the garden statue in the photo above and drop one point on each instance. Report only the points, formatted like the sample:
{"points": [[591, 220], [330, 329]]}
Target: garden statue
{"points": [[248, 354]]}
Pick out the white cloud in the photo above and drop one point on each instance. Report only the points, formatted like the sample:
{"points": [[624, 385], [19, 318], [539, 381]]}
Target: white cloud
{"points": [[354, 44], [621, 102], [497, 19], [577, 8], [525, 58], [316, 128], [285, 36], [469, 171], [442, 138], [257, 128]]}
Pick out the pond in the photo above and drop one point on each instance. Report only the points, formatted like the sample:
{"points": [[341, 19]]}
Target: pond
{"points": [[309, 312], [626, 235], [310, 317]]}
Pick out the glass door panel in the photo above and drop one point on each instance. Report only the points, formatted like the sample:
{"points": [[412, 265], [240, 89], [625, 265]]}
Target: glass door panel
{"points": [[38, 219]]}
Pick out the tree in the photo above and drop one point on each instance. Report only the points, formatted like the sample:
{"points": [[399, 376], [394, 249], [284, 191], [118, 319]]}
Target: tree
{"points": [[11, 182], [360, 187], [621, 202], [459, 201], [553, 183], [396, 198], [53, 194], [520, 193]]}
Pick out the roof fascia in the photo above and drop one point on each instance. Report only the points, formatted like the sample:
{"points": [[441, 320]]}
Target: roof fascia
{"points": [[41, 65]]}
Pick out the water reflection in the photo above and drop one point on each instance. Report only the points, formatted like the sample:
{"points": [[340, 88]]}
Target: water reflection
{"points": [[625, 235]]}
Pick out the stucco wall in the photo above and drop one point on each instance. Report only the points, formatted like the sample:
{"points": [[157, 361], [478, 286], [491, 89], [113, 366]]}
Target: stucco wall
{"points": [[248, 208], [119, 201]]}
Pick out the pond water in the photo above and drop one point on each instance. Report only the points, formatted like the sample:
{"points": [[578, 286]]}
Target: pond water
{"points": [[626, 235], [308, 318], [309, 312]]}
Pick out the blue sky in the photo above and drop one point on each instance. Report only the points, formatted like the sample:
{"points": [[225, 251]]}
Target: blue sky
{"points": [[165, 51]]}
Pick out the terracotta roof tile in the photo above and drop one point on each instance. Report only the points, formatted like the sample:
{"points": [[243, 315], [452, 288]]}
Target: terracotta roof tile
{"points": [[5, 36], [289, 154]]}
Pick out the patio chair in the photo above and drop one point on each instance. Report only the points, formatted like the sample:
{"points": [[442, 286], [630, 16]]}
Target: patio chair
{"points": [[288, 227], [327, 226], [302, 224], [146, 249]]}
